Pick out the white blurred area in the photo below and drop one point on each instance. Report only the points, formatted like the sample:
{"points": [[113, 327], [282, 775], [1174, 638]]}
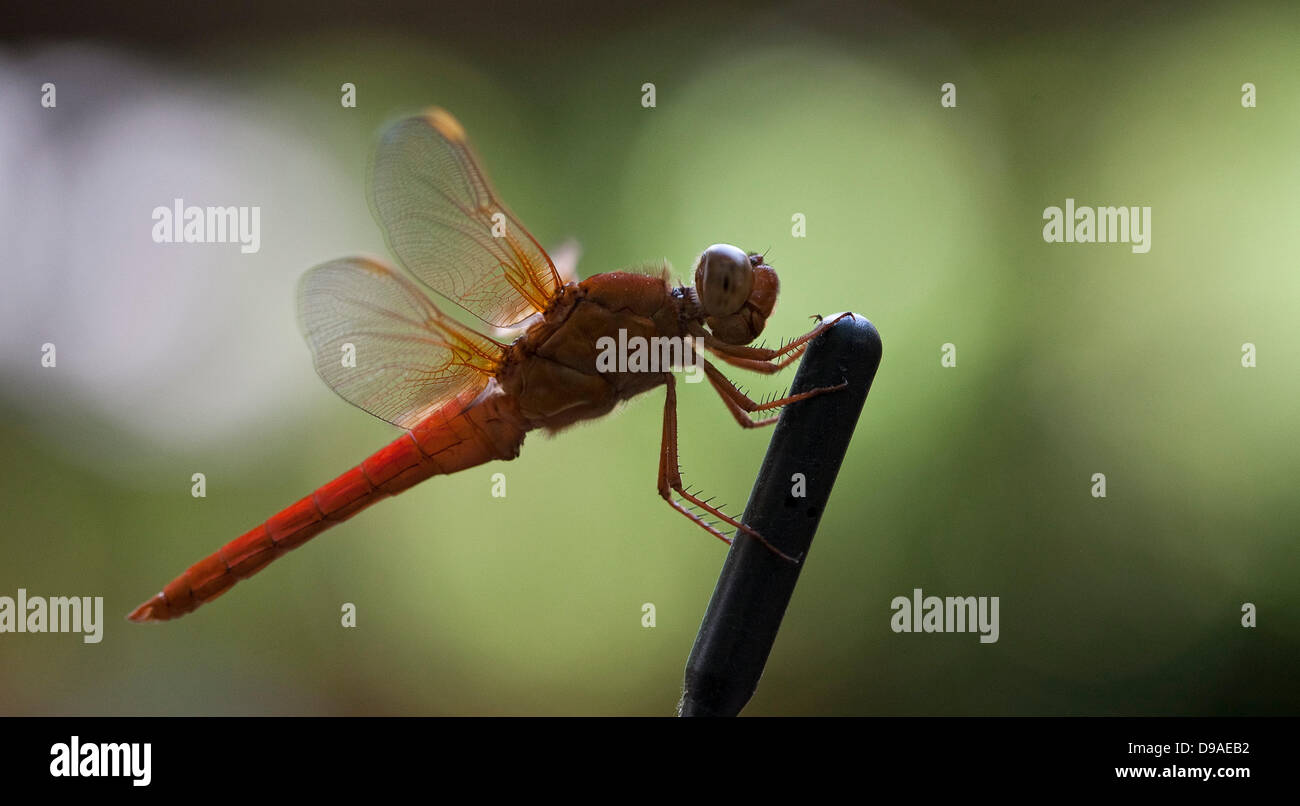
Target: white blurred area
{"points": [[166, 346]]}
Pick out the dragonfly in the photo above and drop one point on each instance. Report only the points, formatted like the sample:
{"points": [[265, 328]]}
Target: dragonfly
{"points": [[465, 398]]}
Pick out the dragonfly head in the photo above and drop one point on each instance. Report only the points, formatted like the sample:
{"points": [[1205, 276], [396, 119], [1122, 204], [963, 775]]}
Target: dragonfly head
{"points": [[737, 292]]}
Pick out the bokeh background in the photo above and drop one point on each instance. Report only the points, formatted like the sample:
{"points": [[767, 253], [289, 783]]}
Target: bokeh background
{"points": [[973, 480]]}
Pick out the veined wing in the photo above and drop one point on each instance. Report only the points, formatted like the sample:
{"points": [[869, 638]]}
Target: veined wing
{"points": [[448, 227], [379, 342]]}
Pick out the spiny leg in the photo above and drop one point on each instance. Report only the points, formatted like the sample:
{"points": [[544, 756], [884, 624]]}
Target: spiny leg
{"points": [[764, 360], [670, 480], [670, 477], [741, 405], [767, 354]]}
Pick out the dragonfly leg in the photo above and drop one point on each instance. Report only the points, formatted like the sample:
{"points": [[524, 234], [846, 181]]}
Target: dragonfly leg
{"points": [[764, 360], [742, 406], [670, 481]]}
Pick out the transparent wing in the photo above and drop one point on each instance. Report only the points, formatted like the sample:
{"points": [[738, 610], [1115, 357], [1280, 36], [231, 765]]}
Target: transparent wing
{"points": [[447, 226], [379, 342], [565, 258]]}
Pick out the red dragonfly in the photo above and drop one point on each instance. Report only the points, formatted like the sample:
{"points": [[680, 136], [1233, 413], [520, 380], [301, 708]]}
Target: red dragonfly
{"points": [[464, 398]]}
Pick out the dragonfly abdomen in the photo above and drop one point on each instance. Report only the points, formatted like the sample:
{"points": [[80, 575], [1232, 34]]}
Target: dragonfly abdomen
{"points": [[438, 445]]}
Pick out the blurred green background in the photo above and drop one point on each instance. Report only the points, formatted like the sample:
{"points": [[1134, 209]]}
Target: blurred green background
{"points": [[973, 480]]}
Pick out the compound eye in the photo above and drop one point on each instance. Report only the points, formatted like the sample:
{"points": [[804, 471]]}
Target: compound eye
{"points": [[724, 277]]}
